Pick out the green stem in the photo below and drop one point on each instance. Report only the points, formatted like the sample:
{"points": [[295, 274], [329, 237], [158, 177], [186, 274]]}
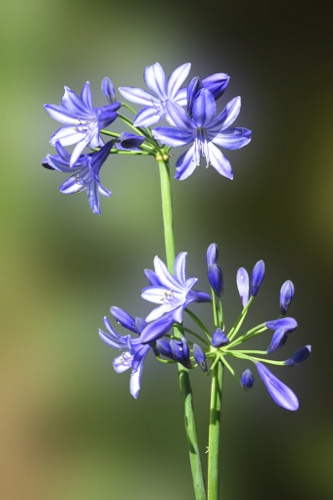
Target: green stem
{"points": [[214, 432], [184, 380]]}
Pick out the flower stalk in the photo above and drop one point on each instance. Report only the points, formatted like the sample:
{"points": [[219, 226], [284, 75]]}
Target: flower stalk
{"points": [[183, 376]]}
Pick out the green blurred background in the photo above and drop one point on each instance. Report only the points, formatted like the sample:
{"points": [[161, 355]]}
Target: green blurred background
{"points": [[69, 428]]}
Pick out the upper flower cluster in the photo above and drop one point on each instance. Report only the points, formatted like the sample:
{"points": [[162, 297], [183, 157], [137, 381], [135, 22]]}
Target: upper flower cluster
{"points": [[174, 293], [191, 111]]}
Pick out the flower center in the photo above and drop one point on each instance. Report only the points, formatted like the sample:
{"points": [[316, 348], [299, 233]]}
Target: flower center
{"points": [[201, 146]]}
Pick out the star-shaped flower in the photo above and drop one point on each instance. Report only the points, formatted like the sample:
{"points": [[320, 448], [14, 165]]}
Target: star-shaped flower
{"points": [[162, 91], [82, 121], [84, 174], [205, 130]]}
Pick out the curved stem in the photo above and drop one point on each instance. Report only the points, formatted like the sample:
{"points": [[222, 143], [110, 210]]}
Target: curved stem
{"points": [[183, 376], [214, 432]]}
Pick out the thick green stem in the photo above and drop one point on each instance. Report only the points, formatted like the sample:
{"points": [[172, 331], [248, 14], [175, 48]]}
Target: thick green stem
{"points": [[184, 380], [214, 432]]}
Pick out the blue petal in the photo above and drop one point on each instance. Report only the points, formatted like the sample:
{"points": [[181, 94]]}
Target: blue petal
{"points": [[123, 362], [163, 346], [93, 198], [192, 89], [233, 138], [212, 254], [219, 161], [148, 116], [124, 318], [60, 114], [279, 392], [136, 374], [257, 277], [173, 137], [177, 78], [139, 96], [112, 342], [154, 77], [66, 136], [200, 357], [288, 324], [247, 379], [204, 108], [227, 116], [86, 95], [186, 164], [152, 277], [180, 267], [180, 118], [76, 106], [156, 329], [286, 295]]}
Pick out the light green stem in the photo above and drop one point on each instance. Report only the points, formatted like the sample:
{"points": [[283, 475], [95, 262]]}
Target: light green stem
{"points": [[214, 432], [184, 380]]}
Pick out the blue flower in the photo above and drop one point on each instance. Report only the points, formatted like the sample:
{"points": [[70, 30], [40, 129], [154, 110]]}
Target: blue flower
{"points": [[172, 292], [134, 351], [162, 92], [279, 392], [243, 285], [82, 121], [286, 296], [84, 174], [206, 131]]}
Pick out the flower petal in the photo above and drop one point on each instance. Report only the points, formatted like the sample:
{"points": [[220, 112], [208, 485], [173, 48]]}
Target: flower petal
{"points": [[204, 108], [60, 114], [243, 285], [173, 137], [180, 118], [219, 161], [66, 136], [154, 77], [108, 89], [123, 362], [136, 374], [227, 116], [233, 138], [138, 96], [177, 78], [180, 267], [86, 95], [156, 329], [186, 164], [123, 318], [148, 116]]}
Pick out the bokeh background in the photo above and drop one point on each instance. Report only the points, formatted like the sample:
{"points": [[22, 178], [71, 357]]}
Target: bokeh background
{"points": [[69, 428]]}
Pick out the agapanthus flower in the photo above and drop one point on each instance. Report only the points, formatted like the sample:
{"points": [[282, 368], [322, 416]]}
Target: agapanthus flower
{"points": [[205, 130], [279, 392], [83, 122], [134, 352], [172, 292], [162, 91], [84, 175], [216, 84]]}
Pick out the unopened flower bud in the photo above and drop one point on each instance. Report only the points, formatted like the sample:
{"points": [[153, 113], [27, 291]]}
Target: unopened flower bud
{"points": [[219, 338], [212, 254], [286, 295], [257, 277], [164, 347], [192, 89], [216, 84], [243, 285], [279, 338], [247, 379], [180, 352], [299, 356], [215, 278], [200, 357], [287, 324]]}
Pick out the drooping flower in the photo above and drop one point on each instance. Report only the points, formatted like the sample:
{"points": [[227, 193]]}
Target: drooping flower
{"points": [[172, 292], [134, 352], [84, 175], [82, 121], [205, 131], [279, 392], [162, 91]]}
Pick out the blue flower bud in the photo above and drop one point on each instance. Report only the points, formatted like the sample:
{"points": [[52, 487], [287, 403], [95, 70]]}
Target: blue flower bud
{"points": [[247, 379], [215, 278], [164, 347], [140, 324], [216, 84], [180, 352], [200, 357], [257, 277], [212, 254], [299, 356], [192, 89], [286, 295], [287, 324], [130, 141], [279, 338], [219, 338], [124, 319], [281, 394], [243, 285]]}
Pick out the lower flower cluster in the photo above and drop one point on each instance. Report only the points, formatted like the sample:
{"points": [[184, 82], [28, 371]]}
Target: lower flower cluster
{"points": [[204, 347]]}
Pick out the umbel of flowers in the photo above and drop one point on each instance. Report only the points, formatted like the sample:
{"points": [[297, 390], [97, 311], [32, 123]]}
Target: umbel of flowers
{"points": [[191, 115], [204, 347]]}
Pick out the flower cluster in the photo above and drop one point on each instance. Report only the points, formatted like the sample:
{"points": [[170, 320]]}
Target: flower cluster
{"points": [[191, 112], [174, 293]]}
